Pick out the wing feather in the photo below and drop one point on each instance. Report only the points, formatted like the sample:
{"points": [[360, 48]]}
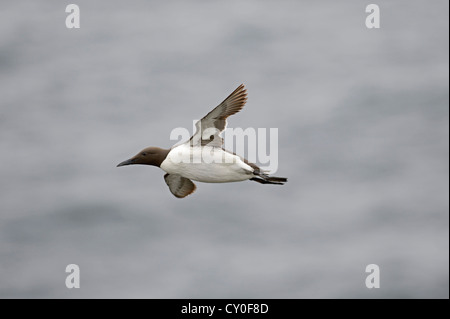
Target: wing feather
{"points": [[179, 186], [210, 126]]}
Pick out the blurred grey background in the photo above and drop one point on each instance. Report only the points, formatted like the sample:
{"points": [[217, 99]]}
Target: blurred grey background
{"points": [[363, 121]]}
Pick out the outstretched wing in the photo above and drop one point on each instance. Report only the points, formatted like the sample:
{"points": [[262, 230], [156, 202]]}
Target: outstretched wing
{"points": [[179, 186], [209, 128]]}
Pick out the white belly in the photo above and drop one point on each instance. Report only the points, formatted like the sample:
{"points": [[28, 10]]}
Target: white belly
{"points": [[206, 164]]}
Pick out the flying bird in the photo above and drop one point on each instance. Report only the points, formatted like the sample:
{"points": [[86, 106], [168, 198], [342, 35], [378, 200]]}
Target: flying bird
{"points": [[185, 162]]}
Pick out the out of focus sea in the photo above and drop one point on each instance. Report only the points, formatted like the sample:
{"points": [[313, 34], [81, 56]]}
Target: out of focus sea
{"points": [[363, 124]]}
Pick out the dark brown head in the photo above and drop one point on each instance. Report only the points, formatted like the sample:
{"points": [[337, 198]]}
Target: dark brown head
{"points": [[148, 156]]}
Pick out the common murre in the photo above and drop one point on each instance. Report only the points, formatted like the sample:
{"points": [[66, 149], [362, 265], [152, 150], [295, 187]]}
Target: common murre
{"points": [[179, 162]]}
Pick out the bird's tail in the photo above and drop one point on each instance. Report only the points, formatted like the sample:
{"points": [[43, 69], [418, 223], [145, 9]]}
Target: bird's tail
{"points": [[266, 179]]}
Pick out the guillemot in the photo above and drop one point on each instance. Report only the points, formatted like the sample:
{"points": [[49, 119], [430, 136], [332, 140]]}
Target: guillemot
{"points": [[186, 162]]}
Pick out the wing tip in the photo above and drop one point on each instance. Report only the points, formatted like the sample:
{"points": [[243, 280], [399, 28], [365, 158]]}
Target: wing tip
{"points": [[239, 94], [186, 194]]}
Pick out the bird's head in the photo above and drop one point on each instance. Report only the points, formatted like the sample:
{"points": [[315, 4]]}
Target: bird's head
{"points": [[148, 156]]}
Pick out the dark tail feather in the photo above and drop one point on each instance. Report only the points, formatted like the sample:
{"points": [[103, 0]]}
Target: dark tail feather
{"points": [[275, 179], [264, 179]]}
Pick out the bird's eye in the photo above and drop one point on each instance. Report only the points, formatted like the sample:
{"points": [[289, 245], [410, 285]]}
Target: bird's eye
{"points": [[144, 154]]}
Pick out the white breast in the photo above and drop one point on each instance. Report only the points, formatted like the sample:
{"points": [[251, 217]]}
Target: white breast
{"points": [[206, 164]]}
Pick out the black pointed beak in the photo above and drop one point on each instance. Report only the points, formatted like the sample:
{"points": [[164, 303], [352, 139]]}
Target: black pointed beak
{"points": [[127, 162]]}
